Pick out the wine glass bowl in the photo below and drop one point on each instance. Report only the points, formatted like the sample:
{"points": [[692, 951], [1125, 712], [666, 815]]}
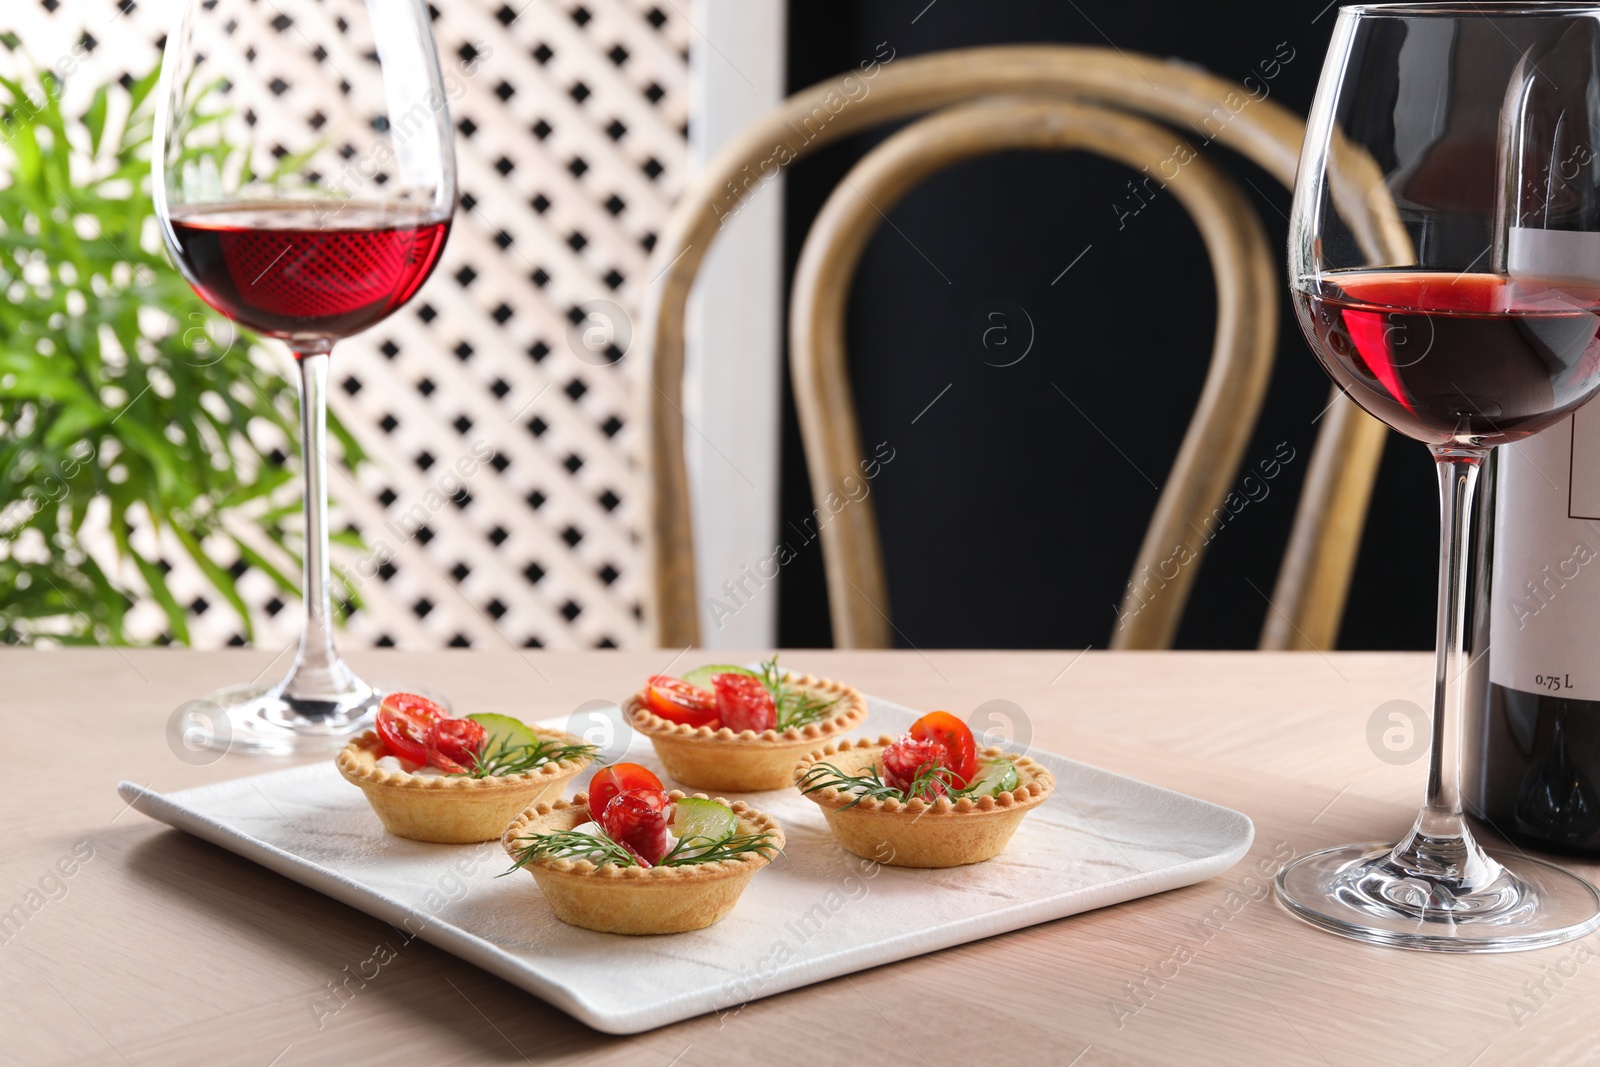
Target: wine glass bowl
{"points": [[1444, 260], [1513, 356], [304, 180], [306, 274]]}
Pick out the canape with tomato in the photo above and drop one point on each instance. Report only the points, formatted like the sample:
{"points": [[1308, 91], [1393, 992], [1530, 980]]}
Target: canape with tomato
{"points": [[432, 777], [628, 857], [929, 798], [737, 729]]}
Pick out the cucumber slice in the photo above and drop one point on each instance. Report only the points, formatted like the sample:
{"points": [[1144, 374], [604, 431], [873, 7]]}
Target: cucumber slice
{"points": [[504, 731], [701, 677], [996, 776], [705, 820]]}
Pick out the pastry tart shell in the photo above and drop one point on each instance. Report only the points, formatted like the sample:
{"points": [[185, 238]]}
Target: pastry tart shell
{"points": [[919, 833], [451, 810], [746, 762], [638, 900]]}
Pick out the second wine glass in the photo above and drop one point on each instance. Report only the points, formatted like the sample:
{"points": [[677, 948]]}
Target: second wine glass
{"points": [[1444, 257], [304, 176]]}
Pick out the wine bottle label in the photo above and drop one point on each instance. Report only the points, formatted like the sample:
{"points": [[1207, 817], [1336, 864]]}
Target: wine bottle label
{"points": [[1553, 257], [1544, 614]]}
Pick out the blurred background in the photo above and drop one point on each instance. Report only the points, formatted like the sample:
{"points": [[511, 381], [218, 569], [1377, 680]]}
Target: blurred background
{"points": [[485, 481]]}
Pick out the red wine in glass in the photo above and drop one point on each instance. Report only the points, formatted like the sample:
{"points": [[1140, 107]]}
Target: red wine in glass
{"points": [[1441, 357], [299, 269]]}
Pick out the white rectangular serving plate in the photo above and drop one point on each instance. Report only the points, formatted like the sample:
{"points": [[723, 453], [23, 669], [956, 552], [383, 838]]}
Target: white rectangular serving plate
{"points": [[818, 912]]}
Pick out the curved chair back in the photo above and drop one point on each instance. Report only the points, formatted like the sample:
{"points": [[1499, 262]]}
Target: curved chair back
{"points": [[1311, 585], [1247, 286]]}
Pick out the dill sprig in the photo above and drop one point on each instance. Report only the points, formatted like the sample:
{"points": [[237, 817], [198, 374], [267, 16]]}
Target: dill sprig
{"points": [[931, 779], [570, 844], [600, 849], [499, 756], [699, 848], [796, 706]]}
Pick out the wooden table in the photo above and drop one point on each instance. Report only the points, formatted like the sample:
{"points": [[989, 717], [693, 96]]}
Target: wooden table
{"points": [[161, 949]]}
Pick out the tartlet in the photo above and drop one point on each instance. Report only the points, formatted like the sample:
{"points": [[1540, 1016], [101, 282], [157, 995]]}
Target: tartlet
{"points": [[638, 900], [746, 761], [944, 832], [452, 809]]}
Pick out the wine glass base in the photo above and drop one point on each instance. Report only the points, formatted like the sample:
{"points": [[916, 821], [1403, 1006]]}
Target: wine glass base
{"points": [[260, 718], [1355, 891]]}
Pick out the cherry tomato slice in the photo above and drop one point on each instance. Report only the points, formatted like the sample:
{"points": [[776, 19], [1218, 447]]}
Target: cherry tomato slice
{"points": [[678, 701], [638, 820], [617, 778], [403, 721], [960, 748], [453, 744], [743, 703]]}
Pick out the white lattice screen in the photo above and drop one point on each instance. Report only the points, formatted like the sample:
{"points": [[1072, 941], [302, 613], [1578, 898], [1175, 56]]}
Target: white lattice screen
{"points": [[572, 122]]}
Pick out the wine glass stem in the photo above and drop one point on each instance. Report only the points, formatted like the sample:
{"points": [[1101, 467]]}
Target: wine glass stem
{"points": [[1441, 845], [318, 674]]}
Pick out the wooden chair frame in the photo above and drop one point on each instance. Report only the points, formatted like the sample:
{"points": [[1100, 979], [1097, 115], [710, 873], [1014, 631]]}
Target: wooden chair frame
{"points": [[1247, 283], [1315, 576]]}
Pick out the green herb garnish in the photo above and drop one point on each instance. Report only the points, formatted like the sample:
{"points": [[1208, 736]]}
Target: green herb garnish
{"points": [[701, 849], [870, 783], [796, 706], [601, 850], [931, 780], [569, 844], [498, 757]]}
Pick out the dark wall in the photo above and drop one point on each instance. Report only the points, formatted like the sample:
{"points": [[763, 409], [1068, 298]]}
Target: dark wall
{"points": [[1013, 507]]}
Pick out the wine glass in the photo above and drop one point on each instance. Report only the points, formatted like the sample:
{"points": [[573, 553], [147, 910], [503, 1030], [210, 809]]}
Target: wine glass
{"points": [[1444, 258], [304, 178]]}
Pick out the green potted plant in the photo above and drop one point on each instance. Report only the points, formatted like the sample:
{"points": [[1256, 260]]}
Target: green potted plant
{"points": [[128, 408]]}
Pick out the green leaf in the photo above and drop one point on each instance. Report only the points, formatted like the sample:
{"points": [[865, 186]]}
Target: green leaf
{"points": [[155, 582], [218, 577], [292, 162], [114, 601], [141, 88], [266, 566], [269, 479], [350, 450], [94, 119], [73, 424]]}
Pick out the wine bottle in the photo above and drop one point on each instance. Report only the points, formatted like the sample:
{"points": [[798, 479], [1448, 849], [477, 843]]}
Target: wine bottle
{"points": [[1531, 756], [1532, 751]]}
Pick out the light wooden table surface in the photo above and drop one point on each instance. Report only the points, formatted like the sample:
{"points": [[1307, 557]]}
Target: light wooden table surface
{"points": [[161, 949]]}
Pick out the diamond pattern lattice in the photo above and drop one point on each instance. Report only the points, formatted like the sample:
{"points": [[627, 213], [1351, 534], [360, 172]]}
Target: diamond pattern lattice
{"points": [[496, 505]]}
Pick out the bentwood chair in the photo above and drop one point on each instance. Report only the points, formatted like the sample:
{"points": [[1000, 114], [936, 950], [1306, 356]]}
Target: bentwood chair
{"points": [[1029, 97]]}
